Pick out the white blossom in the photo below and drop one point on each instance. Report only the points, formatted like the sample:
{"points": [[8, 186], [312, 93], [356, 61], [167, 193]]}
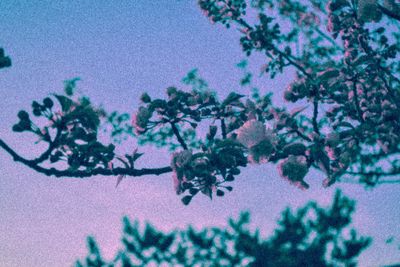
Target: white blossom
{"points": [[140, 119], [252, 133], [181, 159], [177, 183], [178, 163], [260, 141]]}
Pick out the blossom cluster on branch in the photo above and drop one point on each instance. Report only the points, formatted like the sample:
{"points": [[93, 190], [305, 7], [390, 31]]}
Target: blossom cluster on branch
{"points": [[347, 67], [346, 88]]}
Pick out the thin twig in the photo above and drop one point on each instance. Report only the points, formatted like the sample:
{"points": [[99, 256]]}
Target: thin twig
{"points": [[178, 136], [223, 128], [389, 13], [315, 114]]}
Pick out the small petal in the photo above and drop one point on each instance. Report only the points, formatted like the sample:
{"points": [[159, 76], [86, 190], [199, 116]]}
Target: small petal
{"points": [[251, 133]]}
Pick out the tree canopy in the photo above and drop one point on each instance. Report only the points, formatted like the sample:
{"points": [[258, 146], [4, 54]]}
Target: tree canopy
{"points": [[311, 236], [342, 113]]}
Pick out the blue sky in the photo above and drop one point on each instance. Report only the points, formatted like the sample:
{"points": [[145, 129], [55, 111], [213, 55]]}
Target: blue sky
{"points": [[121, 49]]}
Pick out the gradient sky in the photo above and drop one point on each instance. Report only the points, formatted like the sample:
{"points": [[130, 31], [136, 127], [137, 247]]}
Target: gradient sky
{"points": [[121, 49]]}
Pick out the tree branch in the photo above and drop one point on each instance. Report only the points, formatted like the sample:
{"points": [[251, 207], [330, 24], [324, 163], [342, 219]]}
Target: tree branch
{"points": [[52, 145], [299, 68], [389, 13], [372, 173], [394, 181], [178, 136], [328, 38], [82, 173], [223, 128], [302, 135], [243, 23], [315, 113]]}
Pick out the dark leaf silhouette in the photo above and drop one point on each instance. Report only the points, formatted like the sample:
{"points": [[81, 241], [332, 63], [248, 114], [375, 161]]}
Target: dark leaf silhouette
{"points": [[310, 236]]}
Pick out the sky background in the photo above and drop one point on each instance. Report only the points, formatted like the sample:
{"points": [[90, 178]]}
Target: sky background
{"points": [[121, 49]]}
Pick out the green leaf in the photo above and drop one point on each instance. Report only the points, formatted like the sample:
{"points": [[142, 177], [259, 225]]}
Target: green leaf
{"points": [[193, 191], [230, 178], [17, 128], [207, 191], [70, 85], [65, 102], [235, 171], [137, 156], [344, 124], [145, 98], [294, 149], [328, 74], [232, 97], [242, 64], [166, 242], [246, 79], [361, 60], [186, 200], [212, 132], [5, 62], [86, 116]]}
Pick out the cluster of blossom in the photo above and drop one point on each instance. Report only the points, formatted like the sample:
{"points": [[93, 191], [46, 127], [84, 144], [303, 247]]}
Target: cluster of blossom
{"points": [[207, 171], [257, 139], [245, 126], [261, 144], [302, 16], [297, 90], [354, 88], [351, 84], [180, 163], [223, 11], [180, 107], [140, 119], [355, 82], [77, 124], [368, 97], [261, 36], [71, 132]]}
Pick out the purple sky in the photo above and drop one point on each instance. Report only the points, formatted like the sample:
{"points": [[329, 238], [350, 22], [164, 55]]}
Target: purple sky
{"points": [[121, 49]]}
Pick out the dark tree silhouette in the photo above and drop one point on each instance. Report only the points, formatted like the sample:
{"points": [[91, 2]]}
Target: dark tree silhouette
{"points": [[311, 236], [346, 91]]}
